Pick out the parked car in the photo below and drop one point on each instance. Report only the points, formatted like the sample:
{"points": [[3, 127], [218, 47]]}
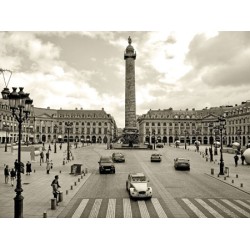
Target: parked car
{"points": [[160, 145], [182, 163], [155, 157], [137, 186], [118, 157], [106, 165]]}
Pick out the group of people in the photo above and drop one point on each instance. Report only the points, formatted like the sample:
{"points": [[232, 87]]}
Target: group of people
{"points": [[236, 159]]}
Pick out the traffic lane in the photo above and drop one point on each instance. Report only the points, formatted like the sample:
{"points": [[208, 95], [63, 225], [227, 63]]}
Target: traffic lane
{"points": [[193, 183]]}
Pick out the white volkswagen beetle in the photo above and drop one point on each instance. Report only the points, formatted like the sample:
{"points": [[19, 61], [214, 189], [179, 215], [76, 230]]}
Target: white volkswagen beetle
{"points": [[137, 186]]}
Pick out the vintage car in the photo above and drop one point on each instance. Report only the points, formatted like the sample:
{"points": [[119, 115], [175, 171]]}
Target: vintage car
{"points": [[160, 145], [137, 186], [182, 163], [155, 157], [118, 157], [106, 165]]}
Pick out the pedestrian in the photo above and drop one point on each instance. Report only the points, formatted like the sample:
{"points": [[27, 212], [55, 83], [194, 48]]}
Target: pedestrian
{"points": [[16, 165], [6, 174], [49, 148], [236, 158], [28, 168], [51, 164], [47, 156], [48, 166], [242, 159], [55, 185], [12, 176], [41, 157], [206, 151], [60, 146]]}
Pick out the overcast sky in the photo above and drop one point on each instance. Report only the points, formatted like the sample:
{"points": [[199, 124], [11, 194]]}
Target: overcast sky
{"points": [[87, 70]]}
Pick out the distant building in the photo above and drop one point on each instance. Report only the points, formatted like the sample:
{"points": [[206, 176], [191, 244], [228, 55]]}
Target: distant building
{"points": [[169, 125], [48, 125]]}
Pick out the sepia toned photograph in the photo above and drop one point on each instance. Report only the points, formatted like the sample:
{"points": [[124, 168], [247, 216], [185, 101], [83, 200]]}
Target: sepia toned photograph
{"points": [[132, 131]]}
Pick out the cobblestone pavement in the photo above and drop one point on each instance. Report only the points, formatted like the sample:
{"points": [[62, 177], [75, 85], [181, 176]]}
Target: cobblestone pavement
{"points": [[37, 191]]}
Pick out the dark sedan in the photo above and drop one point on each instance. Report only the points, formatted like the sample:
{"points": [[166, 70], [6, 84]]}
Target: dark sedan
{"points": [[182, 163]]}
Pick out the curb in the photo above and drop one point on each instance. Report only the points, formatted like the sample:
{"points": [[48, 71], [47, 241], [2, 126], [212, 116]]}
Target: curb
{"points": [[228, 183]]}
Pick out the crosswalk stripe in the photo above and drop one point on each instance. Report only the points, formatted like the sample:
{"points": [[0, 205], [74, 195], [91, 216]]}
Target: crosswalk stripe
{"points": [[111, 208], [223, 208], [80, 208], [243, 204], [236, 207], [95, 209], [143, 209], [194, 208], [158, 208], [127, 212], [209, 209]]}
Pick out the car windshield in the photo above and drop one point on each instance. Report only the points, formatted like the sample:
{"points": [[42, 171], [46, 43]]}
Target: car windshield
{"points": [[155, 155], [182, 160], [139, 178], [106, 159]]}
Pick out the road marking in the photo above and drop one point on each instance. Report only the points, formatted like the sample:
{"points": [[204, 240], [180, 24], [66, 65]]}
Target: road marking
{"points": [[158, 208], [80, 208], [127, 212], [111, 208], [209, 209], [236, 208], [243, 204], [194, 208], [143, 209], [95, 209], [223, 208]]}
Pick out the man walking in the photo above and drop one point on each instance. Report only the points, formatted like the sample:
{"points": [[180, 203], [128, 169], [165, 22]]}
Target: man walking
{"points": [[6, 174], [236, 158]]}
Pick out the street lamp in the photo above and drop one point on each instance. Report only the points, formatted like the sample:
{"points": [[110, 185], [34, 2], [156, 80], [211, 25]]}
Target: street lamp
{"points": [[239, 136], [186, 132], [154, 139], [55, 130], [68, 126], [20, 105], [6, 128], [211, 140], [221, 127]]}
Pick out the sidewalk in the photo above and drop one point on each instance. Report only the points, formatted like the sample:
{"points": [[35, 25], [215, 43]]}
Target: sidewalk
{"points": [[238, 177], [37, 190]]}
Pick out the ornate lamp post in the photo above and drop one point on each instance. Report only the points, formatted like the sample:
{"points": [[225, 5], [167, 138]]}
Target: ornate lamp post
{"points": [[221, 127], [6, 128], [68, 127], [55, 130], [154, 139], [211, 140], [239, 136], [20, 105], [185, 132]]}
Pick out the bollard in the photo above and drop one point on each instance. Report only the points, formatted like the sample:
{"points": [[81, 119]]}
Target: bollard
{"points": [[79, 179], [75, 183], [212, 171], [218, 175], [84, 173], [63, 162], [53, 204], [241, 185], [237, 176], [81, 176], [60, 196], [232, 181], [34, 170], [67, 192], [71, 187], [225, 178], [86, 170], [60, 171], [206, 159], [45, 214]]}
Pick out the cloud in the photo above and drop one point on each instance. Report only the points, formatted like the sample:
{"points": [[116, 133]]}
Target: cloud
{"points": [[222, 59]]}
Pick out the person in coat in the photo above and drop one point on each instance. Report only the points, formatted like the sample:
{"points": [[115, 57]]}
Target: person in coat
{"points": [[55, 185], [28, 168], [48, 166], [236, 158], [12, 176], [6, 174]]}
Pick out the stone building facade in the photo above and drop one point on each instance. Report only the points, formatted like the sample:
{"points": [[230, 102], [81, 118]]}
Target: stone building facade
{"points": [[46, 125], [169, 125]]}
